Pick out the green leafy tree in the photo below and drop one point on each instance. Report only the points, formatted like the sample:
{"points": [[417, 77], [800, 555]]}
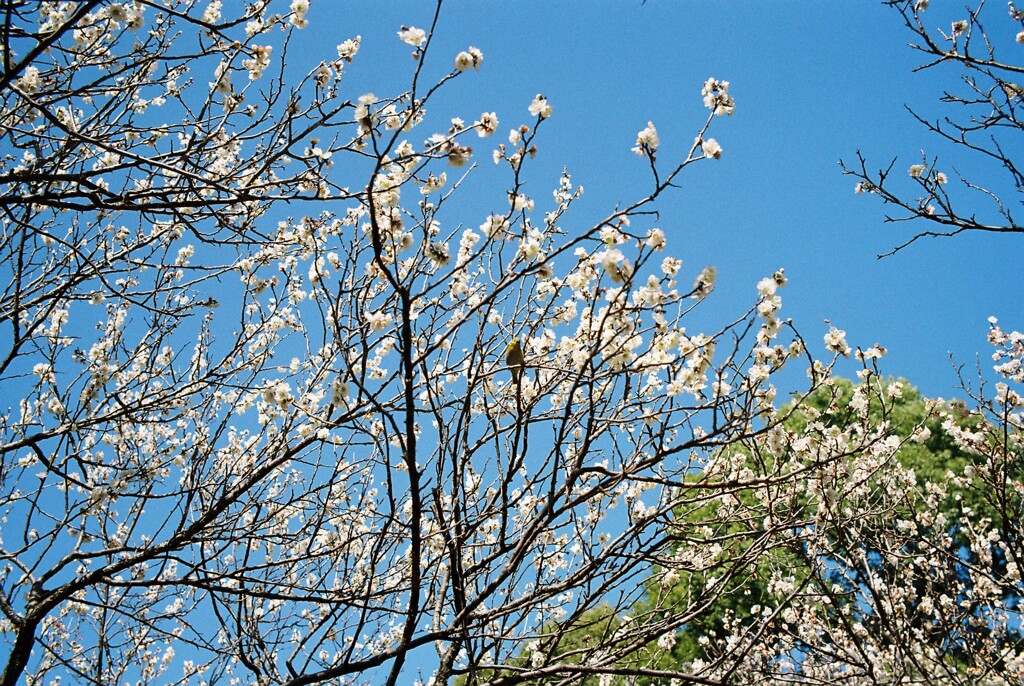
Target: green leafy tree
{"points": [[929, 435]]}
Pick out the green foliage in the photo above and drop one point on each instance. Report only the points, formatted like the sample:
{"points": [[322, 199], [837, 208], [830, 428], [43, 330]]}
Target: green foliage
{"points": [[903, 412], [732, 573], [930, 459], [571, 643]]}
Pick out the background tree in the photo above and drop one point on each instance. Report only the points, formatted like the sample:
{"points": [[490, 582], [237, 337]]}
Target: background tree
{"points": [[905, 565]]}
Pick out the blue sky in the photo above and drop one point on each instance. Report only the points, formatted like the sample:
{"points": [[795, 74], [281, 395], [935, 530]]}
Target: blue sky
{"points": [[813, 82]]}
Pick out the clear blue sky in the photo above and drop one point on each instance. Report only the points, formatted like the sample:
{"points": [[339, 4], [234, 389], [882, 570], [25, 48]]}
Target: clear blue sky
{"points": [[813, 82]]}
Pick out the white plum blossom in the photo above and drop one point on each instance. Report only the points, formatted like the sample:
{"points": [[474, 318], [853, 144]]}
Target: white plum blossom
{"points": [[371, 333], [469, 58], [29, 81], [410, 35], [222, 79], [647, 141], [434, 183], [255, 27], [298, 17], [259, 61], [835, 342], [438, 253], [520, 201], [211, 15], [463, 61], [540, 107], [487, 125], [711, 148], [378, 321], [459, 155], [655, 239], [671, 265], [348, 49], [705, 282], [494, 224], [717, 98]]}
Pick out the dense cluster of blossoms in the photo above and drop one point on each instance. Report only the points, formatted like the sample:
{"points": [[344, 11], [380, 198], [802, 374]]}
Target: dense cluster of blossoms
{"points": [[251, 446]]}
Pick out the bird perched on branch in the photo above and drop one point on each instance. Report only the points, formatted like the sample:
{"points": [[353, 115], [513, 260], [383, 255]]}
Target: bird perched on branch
{"points": [[515, 359]]}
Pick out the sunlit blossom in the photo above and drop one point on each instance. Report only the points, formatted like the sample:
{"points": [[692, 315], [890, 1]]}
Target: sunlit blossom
{"points": [[711, 148], [835, 341], [540, 107], [348, 49], [410, 35], [647, 141]]}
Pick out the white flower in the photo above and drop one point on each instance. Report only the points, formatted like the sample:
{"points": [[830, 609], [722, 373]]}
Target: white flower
{"points": [[671, 265], [348, 49], [704, 282], [29, 81], [656, 239], [107, 160], [529, 249], [835, 341], [647, 138], [184, 253], [212, 13], [519, 201], [463, 61], [459, 155], [378, 321], [759, 373], [44, 371], [469, 58], [434, 183], [540, 107], [259, 62], [413, 36], [222, 79], [717, 98], [916, 170], [941, 178], [438, 253], [487, 125], [494, 224], [116, 12], [711, 148], [254, 27], [959, 27], [1020, 37], [299, 9], [766, 287]]}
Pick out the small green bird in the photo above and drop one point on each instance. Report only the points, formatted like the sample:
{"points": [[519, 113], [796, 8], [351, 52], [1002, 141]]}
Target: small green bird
{"points": [[513, 355], [515, 359]]}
